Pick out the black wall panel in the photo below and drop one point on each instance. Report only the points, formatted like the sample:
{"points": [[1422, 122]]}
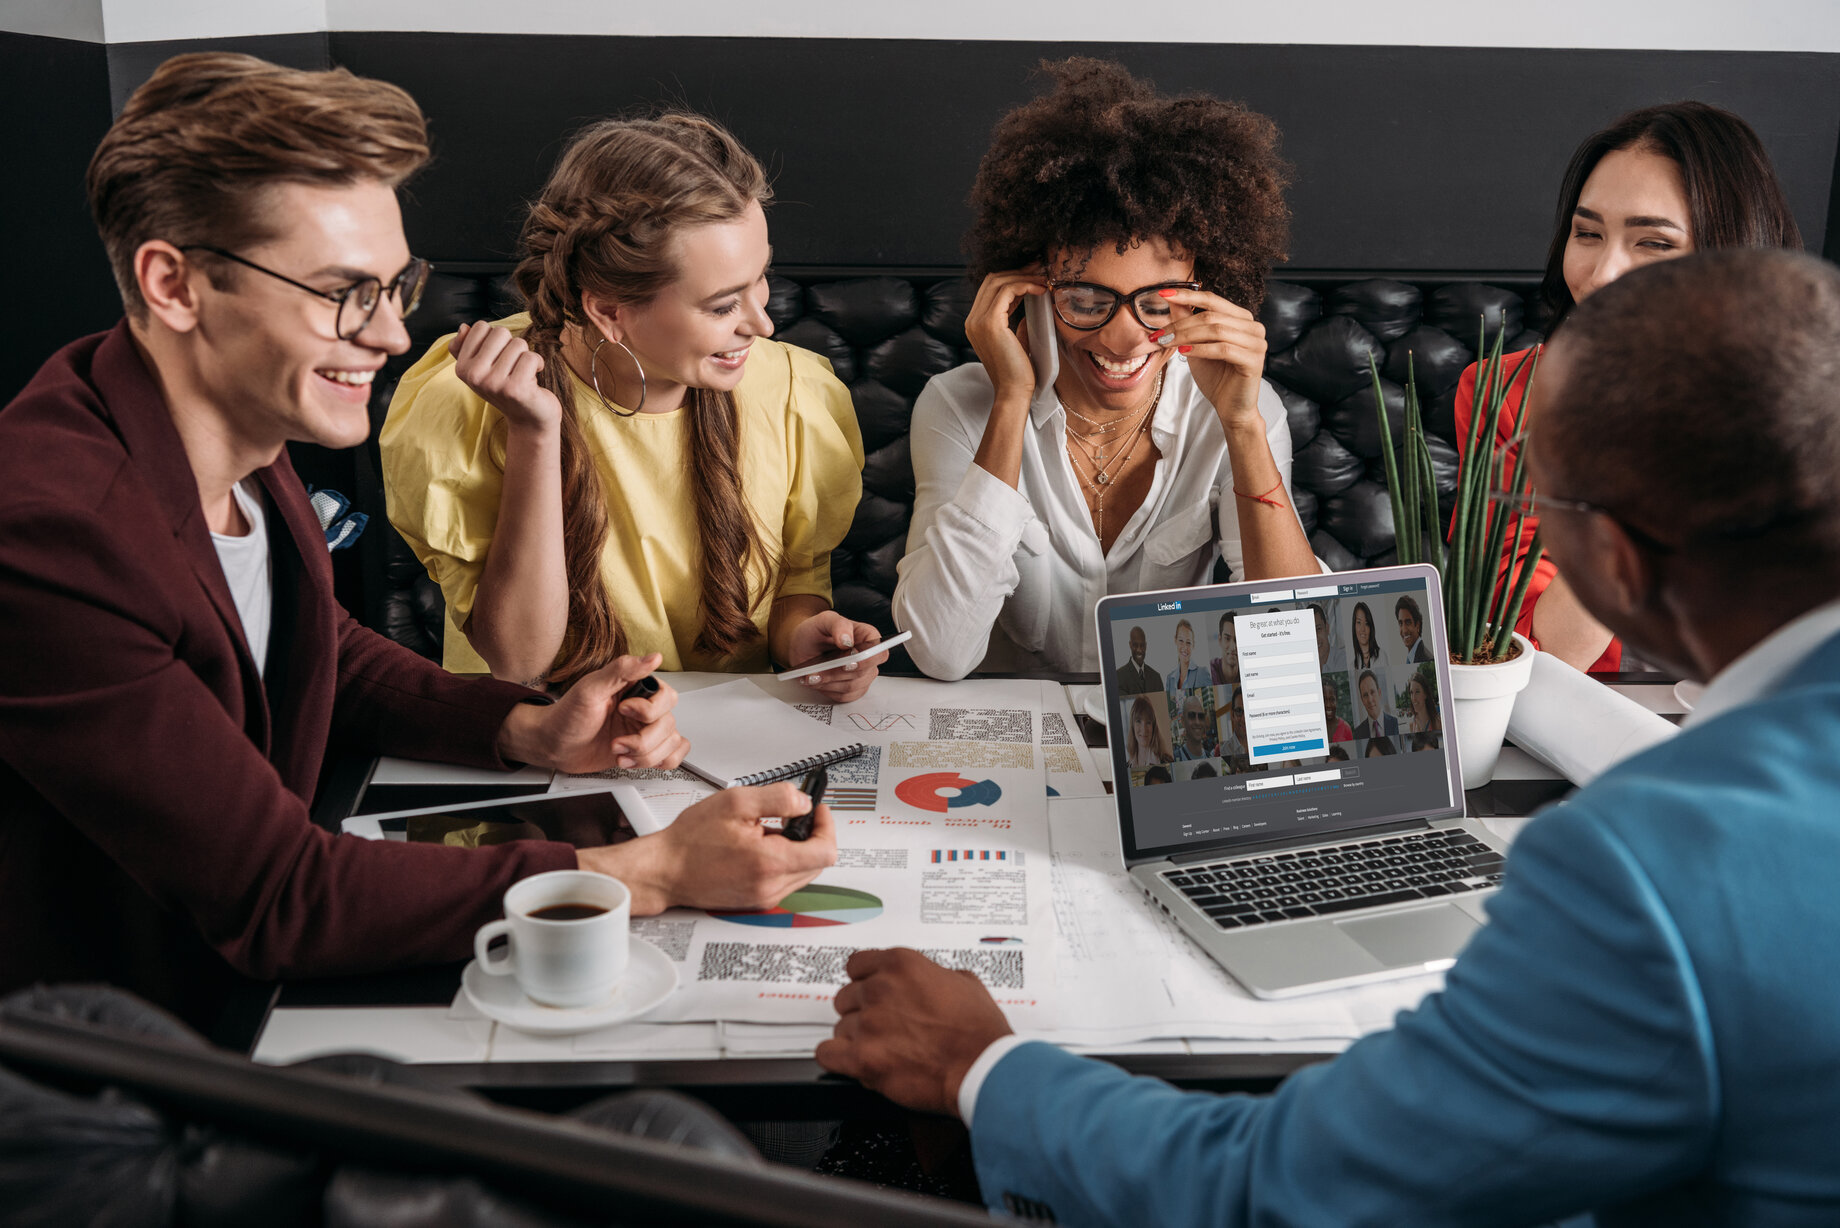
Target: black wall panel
{"points": [[1408, 159], [54, 104]]}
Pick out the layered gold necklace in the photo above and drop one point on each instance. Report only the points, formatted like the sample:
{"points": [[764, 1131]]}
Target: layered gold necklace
{"points": [[1103, 474]]}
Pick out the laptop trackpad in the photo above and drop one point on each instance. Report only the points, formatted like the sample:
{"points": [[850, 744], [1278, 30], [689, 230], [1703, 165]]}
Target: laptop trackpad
{"points": [[1420, 936]]}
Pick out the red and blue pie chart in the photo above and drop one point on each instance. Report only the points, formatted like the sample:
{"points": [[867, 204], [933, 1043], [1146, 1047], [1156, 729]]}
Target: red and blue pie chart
{"points": [[929, 792], [817, 904]]}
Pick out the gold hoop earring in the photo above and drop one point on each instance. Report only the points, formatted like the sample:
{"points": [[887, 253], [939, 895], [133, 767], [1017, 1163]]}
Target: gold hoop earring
{"points": [[594, 377]]}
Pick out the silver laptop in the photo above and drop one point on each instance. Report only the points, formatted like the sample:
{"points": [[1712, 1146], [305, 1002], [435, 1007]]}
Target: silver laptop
{"points": [[1286, 780]]}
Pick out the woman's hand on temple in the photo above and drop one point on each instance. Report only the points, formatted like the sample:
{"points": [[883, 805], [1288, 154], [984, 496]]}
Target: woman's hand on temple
{"points": [[1225, 345], [496, 363], [1003, 350]]}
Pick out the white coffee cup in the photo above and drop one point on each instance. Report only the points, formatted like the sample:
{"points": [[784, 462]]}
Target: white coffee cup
{"points": [[562, 960]]}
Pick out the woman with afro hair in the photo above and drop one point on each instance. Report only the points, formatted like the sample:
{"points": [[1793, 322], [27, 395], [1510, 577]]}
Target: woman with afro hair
{"points": [[1145, 225]]}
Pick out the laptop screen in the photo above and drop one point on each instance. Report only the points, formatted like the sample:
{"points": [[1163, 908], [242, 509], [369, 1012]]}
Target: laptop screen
{"points": [[1243, 713]]}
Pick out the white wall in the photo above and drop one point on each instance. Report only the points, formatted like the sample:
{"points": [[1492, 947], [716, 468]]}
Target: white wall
{"points": [[139, 21], [77, 19], [146, 21], [1760, 25]]}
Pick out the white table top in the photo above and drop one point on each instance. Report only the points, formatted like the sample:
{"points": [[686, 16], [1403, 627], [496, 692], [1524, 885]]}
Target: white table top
{"points": [[457, 1034]]}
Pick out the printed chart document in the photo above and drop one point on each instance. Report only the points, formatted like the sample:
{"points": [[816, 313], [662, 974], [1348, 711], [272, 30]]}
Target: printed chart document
{"points": [[956, 865], [942, 827], [1278, 669], [1063, 747]]}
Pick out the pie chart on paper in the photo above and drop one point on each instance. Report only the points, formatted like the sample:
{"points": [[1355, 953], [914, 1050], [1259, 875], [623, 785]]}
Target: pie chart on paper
{"points": [[942, 791], [813, 905]]}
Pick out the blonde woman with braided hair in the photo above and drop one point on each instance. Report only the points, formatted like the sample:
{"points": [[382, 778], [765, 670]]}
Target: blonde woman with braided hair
{"points": [[632, 465]]}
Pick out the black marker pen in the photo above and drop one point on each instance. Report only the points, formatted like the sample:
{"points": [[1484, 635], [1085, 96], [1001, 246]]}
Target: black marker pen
{"points": [[799, 827]]}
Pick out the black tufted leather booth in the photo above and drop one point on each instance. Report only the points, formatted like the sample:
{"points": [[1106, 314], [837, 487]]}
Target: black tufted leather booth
{"points": [[887, 332]]}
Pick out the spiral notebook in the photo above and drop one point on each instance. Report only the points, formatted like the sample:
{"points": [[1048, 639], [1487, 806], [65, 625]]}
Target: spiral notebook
{"points": [[740, 735]]}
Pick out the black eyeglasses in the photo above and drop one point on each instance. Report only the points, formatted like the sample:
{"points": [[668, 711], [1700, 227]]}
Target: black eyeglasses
{"points": [[1528, 503], [357, 302], [1087, 306], [1531, 504]]}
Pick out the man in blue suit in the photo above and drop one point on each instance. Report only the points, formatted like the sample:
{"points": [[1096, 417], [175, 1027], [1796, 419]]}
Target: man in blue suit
{"points": [[1649, 1027]]}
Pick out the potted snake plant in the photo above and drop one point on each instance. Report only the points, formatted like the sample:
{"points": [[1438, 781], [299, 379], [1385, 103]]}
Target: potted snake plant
{"points": [[1490, 662]]}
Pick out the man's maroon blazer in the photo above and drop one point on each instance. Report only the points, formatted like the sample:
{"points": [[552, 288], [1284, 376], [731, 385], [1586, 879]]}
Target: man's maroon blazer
{"points": [[154, 788]]}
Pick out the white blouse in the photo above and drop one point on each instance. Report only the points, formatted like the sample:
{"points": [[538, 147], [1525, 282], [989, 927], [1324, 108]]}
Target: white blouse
{"points": [[1006, 579]]}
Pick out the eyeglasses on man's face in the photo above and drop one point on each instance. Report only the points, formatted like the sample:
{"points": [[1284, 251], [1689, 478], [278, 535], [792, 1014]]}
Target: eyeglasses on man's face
{"points": [[1532, 504], [1528, 503], [1088, 306], [357, 303]]}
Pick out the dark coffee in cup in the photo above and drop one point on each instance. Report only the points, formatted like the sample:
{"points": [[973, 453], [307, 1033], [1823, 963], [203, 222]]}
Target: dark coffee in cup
{"points": [[577, 964], [567, 912]]}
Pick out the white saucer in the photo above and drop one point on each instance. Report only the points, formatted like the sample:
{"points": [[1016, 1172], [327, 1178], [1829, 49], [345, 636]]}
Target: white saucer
{"points": [[650, 979], [1087, 699], [1688, 693]]}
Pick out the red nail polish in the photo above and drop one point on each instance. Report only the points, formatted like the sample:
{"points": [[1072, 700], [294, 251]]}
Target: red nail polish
{"points": [[1168, 293], [1156, 334], [1185, 348]]}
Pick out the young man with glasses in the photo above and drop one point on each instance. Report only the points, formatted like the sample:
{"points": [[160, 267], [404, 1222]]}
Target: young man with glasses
{"points": [[1645, 1028], [180, 668]]}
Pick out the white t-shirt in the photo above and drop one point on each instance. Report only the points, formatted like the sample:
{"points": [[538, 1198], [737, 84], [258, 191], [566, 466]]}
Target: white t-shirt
{"points": [[247, 570]]}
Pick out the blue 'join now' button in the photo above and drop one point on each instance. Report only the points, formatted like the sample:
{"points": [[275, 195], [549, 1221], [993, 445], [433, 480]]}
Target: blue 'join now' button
{"points": [[1290, 748]]}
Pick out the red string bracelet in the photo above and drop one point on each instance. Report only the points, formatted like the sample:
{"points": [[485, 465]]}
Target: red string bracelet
{"points": [[1264, 498]]}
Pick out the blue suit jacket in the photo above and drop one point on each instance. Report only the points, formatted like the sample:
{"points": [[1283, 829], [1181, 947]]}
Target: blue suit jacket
{"points": [[1649, 1027]]}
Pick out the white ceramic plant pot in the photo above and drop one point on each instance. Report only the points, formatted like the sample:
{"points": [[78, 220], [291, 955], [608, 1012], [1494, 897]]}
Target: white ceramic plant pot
{"points": [[1482, 699]]}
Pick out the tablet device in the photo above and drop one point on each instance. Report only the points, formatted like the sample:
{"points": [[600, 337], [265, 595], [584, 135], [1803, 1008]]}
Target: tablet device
{"points": [[585, 820]]}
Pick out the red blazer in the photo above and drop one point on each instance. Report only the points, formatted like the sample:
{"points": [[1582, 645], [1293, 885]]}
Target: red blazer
{"points": [[1514, 553], [153, 788]]}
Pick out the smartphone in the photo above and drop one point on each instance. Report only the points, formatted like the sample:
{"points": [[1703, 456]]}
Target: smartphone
{"points": [[1044, 346], [837, 657]]}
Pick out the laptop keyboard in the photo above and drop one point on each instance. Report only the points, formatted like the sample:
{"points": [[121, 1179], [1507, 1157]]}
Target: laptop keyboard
{"points": [[1330, 879]]}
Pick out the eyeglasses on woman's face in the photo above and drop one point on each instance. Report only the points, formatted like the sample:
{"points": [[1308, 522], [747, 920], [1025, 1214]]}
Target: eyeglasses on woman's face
{"points": [[1087, 306], [357, 302]]}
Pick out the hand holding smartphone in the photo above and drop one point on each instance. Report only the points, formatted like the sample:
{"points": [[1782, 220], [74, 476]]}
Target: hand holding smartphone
{"points": [[1044, 348], [837, 658]]}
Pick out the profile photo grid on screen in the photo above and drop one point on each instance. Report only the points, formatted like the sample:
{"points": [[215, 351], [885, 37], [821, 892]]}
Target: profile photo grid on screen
{"points": [[1269, 712]]}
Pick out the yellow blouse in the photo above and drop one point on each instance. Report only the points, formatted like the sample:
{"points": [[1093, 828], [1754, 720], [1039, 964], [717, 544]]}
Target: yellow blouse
{"points": [[801, 464]]}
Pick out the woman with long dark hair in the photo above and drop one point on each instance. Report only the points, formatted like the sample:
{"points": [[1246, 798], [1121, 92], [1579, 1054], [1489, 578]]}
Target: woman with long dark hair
{"points": [[1367, 654], [1657, 183], [632, 465], [1421, 696]]}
